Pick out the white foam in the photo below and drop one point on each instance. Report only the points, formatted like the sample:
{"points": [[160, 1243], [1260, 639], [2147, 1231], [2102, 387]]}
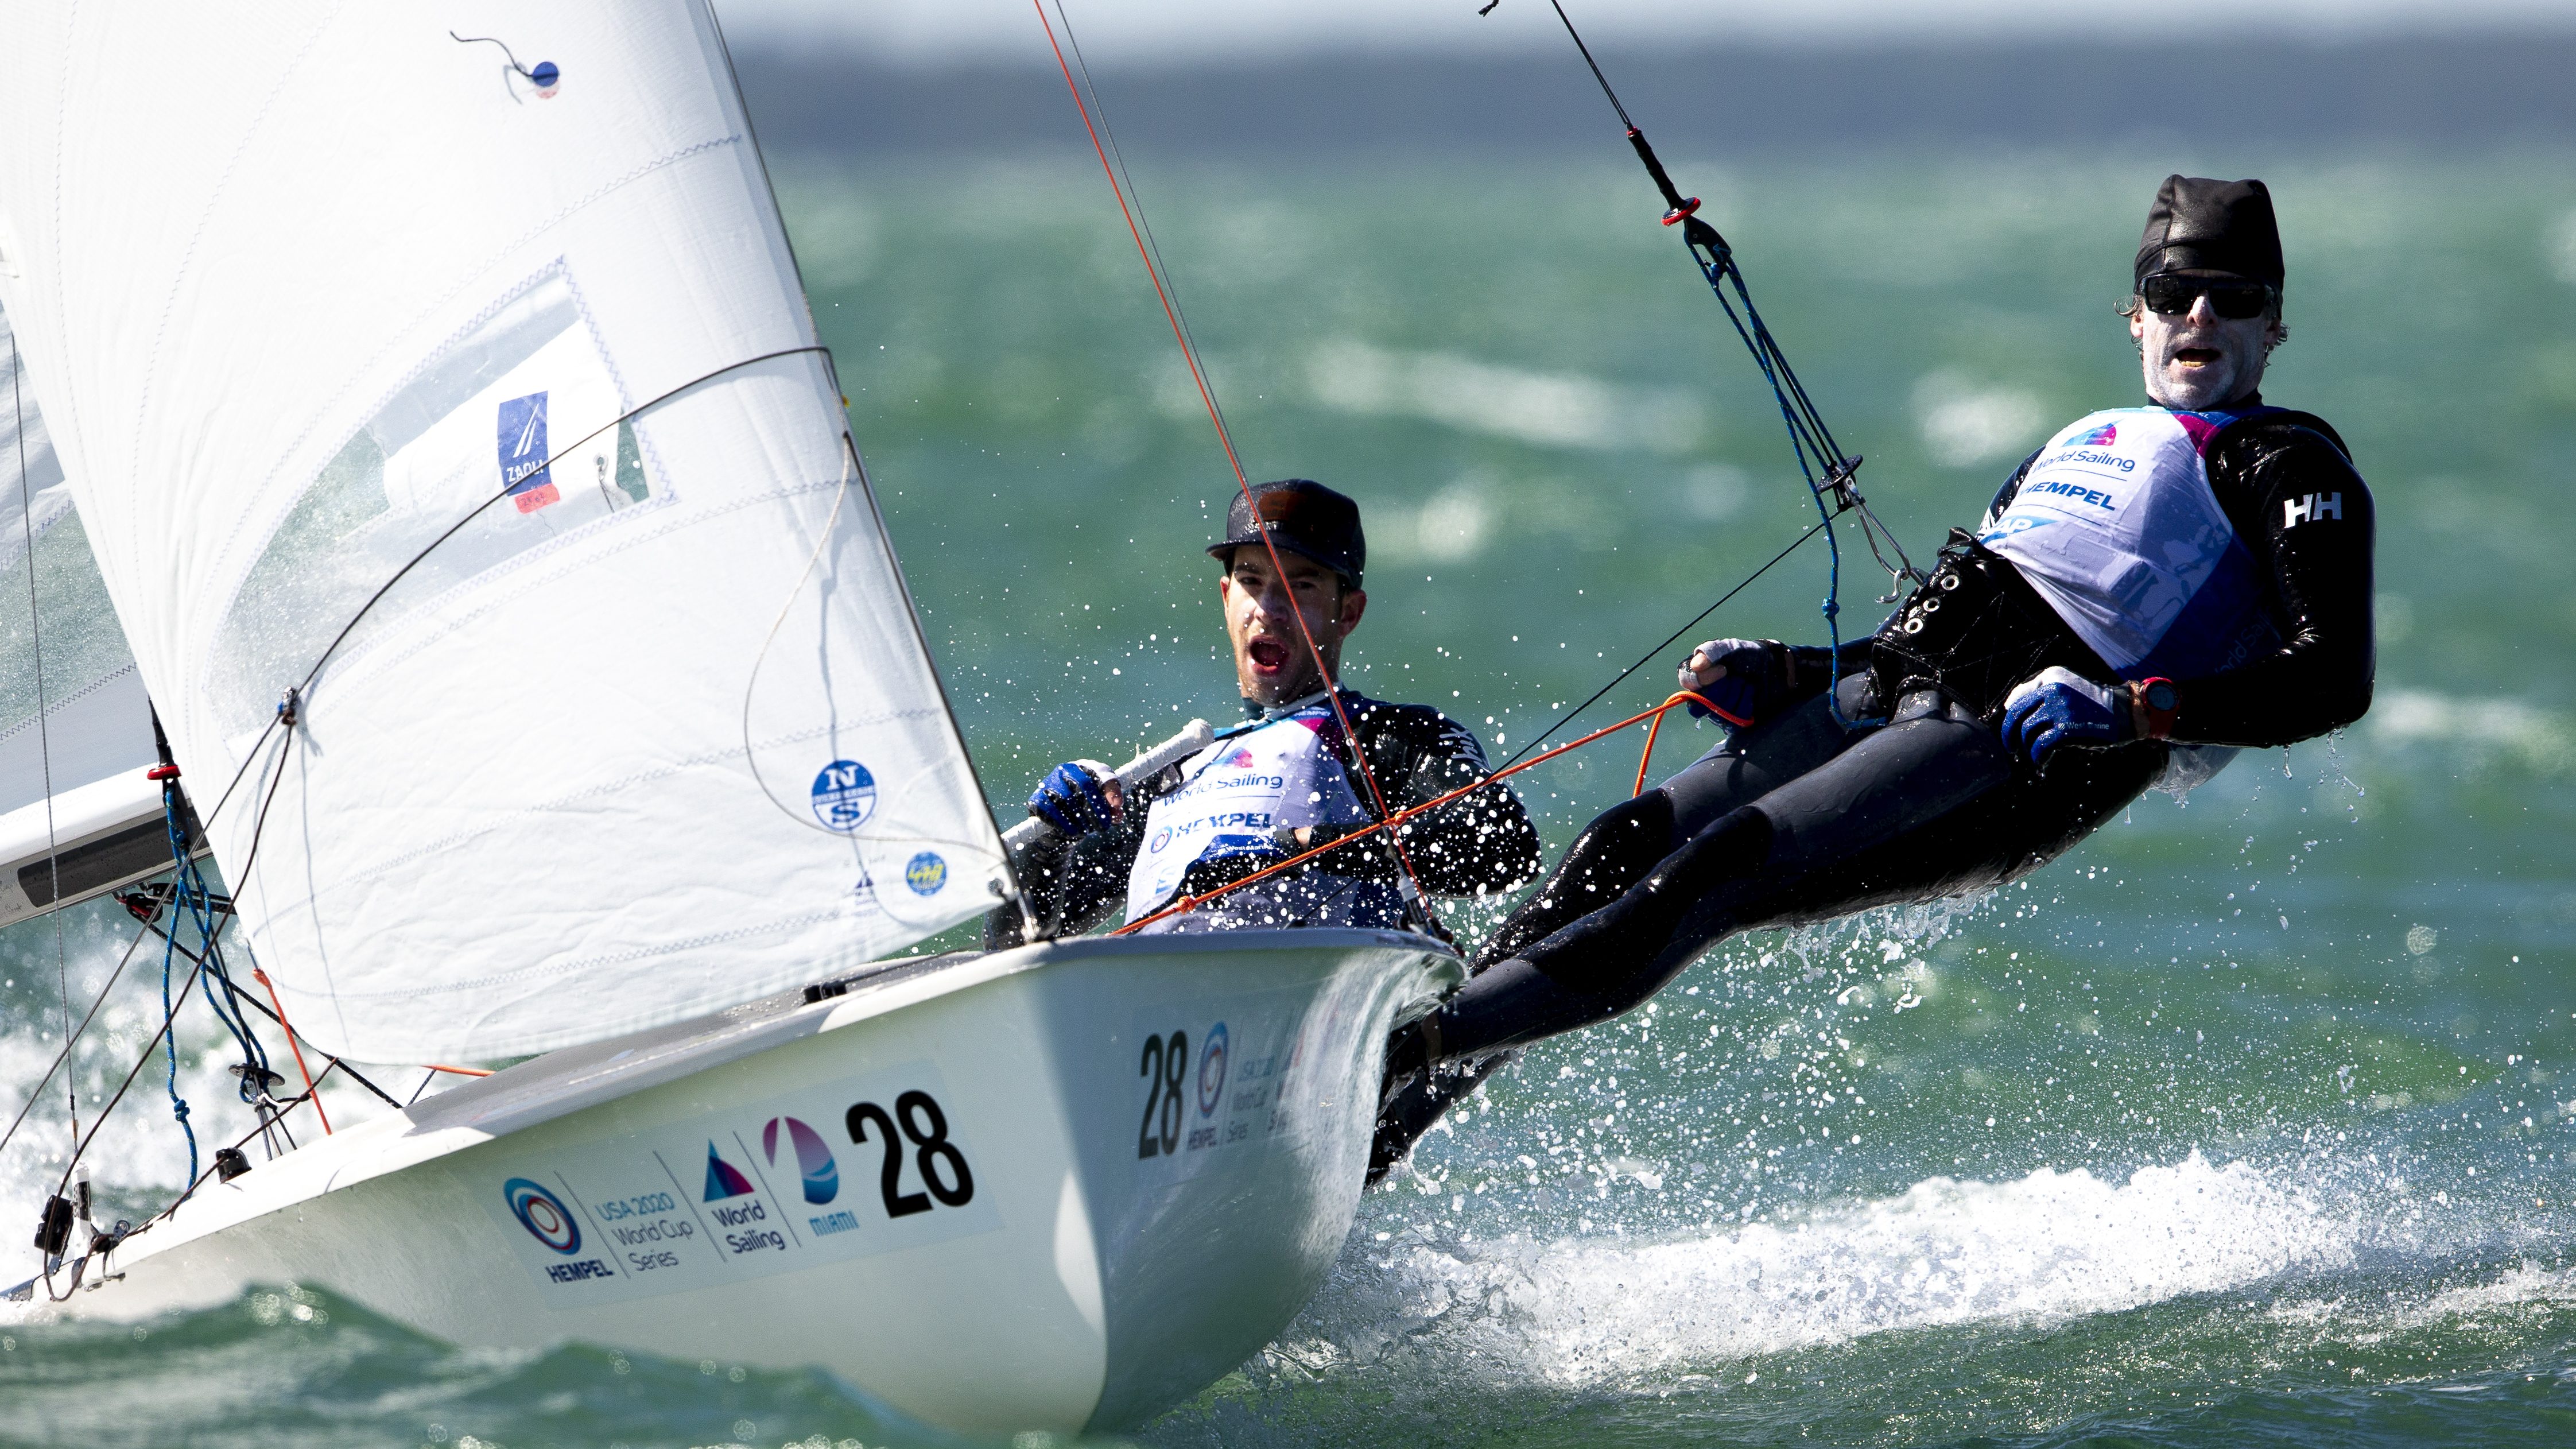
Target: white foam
{"points": [[2050, 1246]]}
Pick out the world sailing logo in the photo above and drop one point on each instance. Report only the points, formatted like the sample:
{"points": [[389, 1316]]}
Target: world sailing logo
{"points": [[724, 1180], [813, 1160], [845, 795], [2101, 437], [543, 1215], [528, 482]]}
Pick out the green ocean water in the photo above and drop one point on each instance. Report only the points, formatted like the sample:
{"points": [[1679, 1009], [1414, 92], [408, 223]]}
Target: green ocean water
{"points": [[2239, 1125]]}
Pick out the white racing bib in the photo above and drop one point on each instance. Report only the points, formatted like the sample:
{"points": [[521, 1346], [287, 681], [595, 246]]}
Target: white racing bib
{"points": [[1234, 794], [2115, 525]]}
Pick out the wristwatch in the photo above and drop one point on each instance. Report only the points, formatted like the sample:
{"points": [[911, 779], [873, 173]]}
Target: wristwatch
{"points": [[2152, 703]]}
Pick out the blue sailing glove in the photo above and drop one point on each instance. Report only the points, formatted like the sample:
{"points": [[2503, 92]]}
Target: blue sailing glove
{"points": [[2060, 707], [1736, 675], [1071, 800]]}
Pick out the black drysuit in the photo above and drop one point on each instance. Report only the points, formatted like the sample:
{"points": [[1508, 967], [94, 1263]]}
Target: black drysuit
{"points": [[1802, 818], [1479, 844]]}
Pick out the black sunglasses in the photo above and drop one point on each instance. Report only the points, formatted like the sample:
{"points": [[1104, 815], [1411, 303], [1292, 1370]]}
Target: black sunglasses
{"points": [[2168, 295]]}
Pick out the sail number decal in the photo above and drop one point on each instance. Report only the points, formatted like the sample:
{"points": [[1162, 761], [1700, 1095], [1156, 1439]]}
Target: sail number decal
{"points": [[1219, 1085], [927, 1127], [1162, 1067]]}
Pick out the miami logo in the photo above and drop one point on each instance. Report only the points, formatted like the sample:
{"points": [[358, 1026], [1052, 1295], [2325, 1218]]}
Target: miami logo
{"points": [[724, 1180], [813, 1160], [543, 1215], [2101, 437]]}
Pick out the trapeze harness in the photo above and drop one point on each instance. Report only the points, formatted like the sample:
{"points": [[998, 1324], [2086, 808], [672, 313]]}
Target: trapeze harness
{"points": [[1281, 773], [2110, 555]]}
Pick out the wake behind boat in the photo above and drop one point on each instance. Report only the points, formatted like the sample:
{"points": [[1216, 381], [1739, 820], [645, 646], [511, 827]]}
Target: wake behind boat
{"points": [[526, 647]]}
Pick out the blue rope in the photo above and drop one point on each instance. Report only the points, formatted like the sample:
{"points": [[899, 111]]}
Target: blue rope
{"points": [[1809, 442], [169, 1009], [189, 891]]}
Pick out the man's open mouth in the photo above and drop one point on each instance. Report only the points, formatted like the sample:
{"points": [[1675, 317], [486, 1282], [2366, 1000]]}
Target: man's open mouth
{"points": [[1267, 655], [2195, 356]]}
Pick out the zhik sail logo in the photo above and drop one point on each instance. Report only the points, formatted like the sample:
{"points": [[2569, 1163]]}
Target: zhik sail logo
{"points": [[926, 873], [528, 481], [814, 1162]]}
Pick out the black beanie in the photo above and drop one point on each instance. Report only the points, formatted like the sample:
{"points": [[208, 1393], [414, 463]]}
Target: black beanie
{"points": [[2200, 225]]}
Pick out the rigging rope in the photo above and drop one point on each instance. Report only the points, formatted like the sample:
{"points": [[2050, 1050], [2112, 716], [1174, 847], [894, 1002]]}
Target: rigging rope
{"points": [[1416, 900], [44, 726], [1830, 473]]}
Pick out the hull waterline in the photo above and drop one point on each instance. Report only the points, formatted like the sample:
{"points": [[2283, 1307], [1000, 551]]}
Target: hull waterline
{"points": [[1061, 1187]]}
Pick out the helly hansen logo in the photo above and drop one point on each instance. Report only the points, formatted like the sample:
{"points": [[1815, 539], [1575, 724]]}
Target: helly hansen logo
{"points": [[2315, 508]]}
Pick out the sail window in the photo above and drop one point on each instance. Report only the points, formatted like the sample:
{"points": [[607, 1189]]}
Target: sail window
{"points": [[524, 403]]}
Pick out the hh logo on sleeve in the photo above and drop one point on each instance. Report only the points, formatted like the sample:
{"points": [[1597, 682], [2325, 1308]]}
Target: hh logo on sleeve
{"points": [[2315, 508]]}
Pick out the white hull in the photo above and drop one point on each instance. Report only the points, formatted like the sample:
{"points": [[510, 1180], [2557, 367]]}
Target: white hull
{"points": [[1086, 1278]]}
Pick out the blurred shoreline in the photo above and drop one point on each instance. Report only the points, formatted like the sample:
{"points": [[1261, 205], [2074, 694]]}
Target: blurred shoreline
{"points": [[2224, 93]]}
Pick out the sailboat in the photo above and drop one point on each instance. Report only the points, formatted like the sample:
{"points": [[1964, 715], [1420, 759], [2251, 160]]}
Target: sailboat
{"points": [[436, 395]]}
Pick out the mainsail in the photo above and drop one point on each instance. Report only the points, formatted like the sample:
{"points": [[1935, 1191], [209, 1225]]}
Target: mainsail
{"points": [[77, 815], [477, 373]]}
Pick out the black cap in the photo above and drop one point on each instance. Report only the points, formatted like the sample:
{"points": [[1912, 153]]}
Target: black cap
{"points": [[1302, 516], [2200, 225]]}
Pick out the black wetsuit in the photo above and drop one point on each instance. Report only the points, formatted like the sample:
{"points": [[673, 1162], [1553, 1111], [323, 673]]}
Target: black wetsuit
{"points": [[1479, 844], [1801, 818]]}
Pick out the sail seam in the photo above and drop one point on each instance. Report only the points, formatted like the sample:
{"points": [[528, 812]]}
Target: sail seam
{"points": [[435, 627], [480, 267], [560, 803], [57, 703], [541, 972]]}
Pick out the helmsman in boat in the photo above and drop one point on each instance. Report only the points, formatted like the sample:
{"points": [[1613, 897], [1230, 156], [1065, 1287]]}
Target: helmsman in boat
{"points": [[2152, 590], [1285, 781]]}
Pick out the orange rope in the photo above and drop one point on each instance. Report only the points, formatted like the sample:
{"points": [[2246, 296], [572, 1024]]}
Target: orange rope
{"points": [[311, 1094], [460, 1071], [1189, 356], [1648, 759], [1193, 902]]}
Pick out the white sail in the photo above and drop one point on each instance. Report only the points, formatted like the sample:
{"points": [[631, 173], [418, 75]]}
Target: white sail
{"points": [[305, 287], [77, 815]]}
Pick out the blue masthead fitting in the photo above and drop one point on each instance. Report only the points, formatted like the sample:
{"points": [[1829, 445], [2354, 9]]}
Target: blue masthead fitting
{"points": [[547, 77]]}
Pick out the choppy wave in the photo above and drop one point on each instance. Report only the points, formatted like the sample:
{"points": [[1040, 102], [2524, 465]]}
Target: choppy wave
{"points": [[2047, 1247]]}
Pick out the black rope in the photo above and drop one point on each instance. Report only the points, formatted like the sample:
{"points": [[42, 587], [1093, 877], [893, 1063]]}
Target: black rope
{"points": [[1828, 471], [253, 1003], [44, 726], [1568, 717], [414, 561], [287, 714], [149, 1047], [77, 1033]]}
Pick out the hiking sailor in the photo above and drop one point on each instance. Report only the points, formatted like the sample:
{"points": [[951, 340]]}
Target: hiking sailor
{"points": [[2153, 588], [1285, 781]]}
